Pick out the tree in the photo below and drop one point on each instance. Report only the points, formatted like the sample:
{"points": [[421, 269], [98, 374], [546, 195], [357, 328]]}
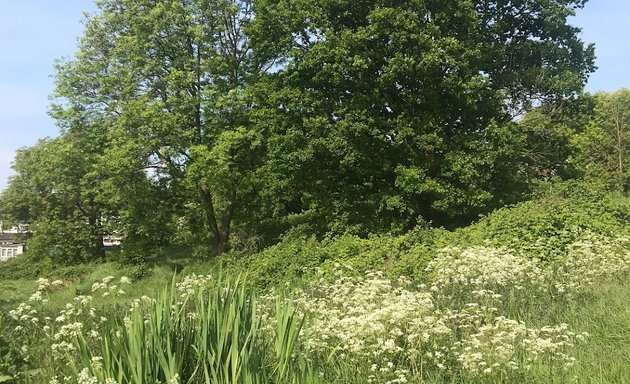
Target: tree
{"points": [[399, 112], [57, 190], [343, 115], [172, 79], [549, 130], [602, 151]]}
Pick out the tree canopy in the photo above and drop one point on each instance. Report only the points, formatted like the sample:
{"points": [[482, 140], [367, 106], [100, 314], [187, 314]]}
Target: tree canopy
{"points": [[192, 119], [602, 149]]}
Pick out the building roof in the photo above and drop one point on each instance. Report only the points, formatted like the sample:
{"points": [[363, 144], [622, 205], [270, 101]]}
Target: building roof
{"points": [[15, 238]]}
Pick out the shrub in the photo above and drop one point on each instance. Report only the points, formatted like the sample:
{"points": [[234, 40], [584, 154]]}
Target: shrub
{"points": [[545, 227], [72, 272], [24, 267], [295, 260], [288, 261]]}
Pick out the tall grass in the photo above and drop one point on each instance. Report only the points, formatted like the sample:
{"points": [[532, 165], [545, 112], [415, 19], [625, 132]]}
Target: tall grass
{"points": [[213, 335], [189, 333], [485, 315]]}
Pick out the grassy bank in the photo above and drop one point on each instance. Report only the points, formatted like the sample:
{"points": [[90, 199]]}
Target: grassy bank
{"points": [[531, 294]]}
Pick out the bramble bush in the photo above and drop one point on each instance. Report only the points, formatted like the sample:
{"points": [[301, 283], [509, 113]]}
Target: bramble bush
{"points": [[542, 229], [545, 227]]}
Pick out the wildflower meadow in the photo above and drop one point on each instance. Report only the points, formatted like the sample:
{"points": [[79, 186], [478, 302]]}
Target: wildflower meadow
{"points": [[482, 315]]}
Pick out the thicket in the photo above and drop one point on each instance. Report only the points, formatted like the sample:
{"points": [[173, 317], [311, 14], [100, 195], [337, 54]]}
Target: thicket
{"points": [[543, 229]]}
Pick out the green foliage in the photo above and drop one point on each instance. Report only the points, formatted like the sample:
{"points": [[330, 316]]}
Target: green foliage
{"points": [[152, 342], [189, 121], [57, 191], [14, 271], [544, 227], [139, 271], [173, 80], [547, 147], [25, 267], [608, 319], [396, 113], [602, 150], [297, 259], [286, 261], [486, 315], [460, 293], [72, 272], [549, 131], [10, 362]]}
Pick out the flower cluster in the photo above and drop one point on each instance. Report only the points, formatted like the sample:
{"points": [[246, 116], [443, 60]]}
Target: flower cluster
{"points": [[594, 258], [460, 275], [505, 345], [191, 284], [60, 329], [395, 329], [369, 318], [461, 319], [142, 301], [44, 285], [106, 289], [24, 313], [460, 323]]}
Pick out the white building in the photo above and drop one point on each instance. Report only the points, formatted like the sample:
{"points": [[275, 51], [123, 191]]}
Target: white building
{"points": [[11, 245]]}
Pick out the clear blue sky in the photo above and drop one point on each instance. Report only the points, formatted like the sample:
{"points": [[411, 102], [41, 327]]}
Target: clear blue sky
{"points": [[33, 33]]}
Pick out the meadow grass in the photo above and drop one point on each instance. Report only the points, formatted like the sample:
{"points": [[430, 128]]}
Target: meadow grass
{"points": [[605, 356], [483, 315]]}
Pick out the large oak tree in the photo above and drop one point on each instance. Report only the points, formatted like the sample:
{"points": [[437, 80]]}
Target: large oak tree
{"points": [[396, 112]]}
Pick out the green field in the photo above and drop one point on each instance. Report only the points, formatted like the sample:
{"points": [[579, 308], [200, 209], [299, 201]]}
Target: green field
{"points": [[431, 306]]}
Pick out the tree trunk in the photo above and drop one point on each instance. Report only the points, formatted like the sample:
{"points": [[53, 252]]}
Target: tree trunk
{"points": [[211, 218], [99, 247], [226, 224], [220, 243], [220, 233], [96, 238]]}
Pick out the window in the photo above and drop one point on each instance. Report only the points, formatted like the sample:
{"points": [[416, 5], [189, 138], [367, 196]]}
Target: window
{"points": [[9, 252]]}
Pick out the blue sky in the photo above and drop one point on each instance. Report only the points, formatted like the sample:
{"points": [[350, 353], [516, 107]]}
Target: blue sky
{"points": [[33, 33]]}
